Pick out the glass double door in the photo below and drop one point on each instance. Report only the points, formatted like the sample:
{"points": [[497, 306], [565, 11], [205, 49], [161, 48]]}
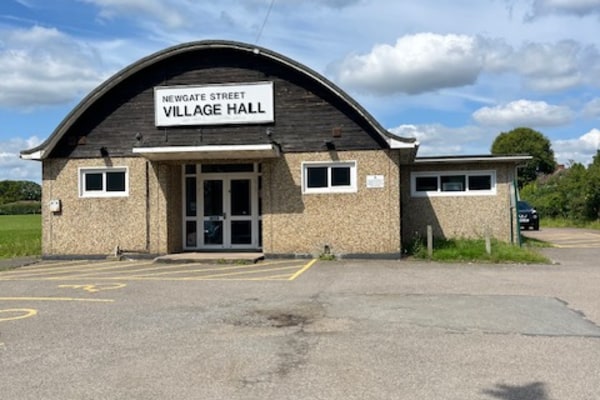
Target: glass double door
{"points": [[228, 216]]}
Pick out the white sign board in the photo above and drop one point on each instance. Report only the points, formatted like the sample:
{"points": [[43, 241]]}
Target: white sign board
{"points": [[375, 181], [246, 103]]}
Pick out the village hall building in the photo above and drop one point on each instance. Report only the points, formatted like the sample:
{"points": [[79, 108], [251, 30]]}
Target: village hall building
{"points": [[226, 146]]}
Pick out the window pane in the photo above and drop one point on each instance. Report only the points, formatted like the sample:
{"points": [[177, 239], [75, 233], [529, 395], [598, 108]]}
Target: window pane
{"points": [[340, 176], [480, 182], [213, 198], [93, 181], [316, 177], [190, 169], [208, 168], [115, 181], [213, 232], [240, 197], [190, 233], [453, 183], [241, 232], [190, 196], [427, 184]]}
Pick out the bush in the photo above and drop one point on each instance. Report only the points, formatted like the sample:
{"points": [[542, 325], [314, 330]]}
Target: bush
{"points": [[21, 208]]}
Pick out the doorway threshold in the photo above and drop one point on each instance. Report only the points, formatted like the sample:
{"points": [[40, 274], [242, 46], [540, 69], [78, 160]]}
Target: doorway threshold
{"points": [[211, 257]]}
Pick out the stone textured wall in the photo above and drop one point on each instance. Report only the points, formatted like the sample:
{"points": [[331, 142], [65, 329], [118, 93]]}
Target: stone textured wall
{"points": [[458, 216], [365, 222], [95, 226]]}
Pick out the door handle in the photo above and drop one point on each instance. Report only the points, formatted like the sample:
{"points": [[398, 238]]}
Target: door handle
{"points": [[224, 216]]}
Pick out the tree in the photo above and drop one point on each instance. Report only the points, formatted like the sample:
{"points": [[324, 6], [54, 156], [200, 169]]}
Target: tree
{"points": [[593, 189], [527, 141], [12, 191]]}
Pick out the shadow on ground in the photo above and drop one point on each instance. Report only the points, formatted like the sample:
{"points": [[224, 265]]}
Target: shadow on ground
{"points": [[532, 391]]}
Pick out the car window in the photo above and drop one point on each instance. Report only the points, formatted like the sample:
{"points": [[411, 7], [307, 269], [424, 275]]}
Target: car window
{"points": [[523, 205]]}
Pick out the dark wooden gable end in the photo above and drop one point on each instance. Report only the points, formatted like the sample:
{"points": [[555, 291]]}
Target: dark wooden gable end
{"points": [[307, 113]]}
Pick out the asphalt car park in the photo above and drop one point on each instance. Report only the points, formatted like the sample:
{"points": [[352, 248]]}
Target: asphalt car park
{"points": [[299, 329]]}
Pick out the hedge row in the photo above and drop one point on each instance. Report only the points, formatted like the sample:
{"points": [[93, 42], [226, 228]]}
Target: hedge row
{"points": [[19, 208]]}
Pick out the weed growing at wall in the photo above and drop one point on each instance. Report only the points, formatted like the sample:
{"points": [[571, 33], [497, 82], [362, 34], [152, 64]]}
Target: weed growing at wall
{"points": [[473, 250]]}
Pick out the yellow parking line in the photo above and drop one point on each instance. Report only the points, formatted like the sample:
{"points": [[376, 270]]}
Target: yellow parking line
{"points": [[65, 270], [270, 270], [255, 271], [303, 270], [208, 267], [27, 312], [126, 269], [81, 272], [42, 267]]}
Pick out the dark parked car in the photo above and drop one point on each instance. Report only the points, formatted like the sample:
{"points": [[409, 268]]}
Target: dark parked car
{"points": [[528, 216]]}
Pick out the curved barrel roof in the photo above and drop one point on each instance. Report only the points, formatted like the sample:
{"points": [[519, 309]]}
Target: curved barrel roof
{"points": [[244, 50]]}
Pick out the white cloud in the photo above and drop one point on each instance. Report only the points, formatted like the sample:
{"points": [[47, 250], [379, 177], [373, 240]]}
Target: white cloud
{"points": [[437, 139], [582, 149], [429, 62], [524, 113], [415, 64], [12, 167], [43, 66], [545, 67], [168, 14], [592, 108]]}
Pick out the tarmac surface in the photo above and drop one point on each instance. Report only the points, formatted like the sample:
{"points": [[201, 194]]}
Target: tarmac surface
{"points": [[297, 329]]}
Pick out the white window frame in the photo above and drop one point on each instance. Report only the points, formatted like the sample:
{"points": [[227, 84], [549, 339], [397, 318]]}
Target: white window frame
{"points": [[352, 188], [83, 171], [440, 174]]}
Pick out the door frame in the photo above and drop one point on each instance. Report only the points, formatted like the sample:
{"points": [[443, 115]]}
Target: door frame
{"points": [[199, 218]]}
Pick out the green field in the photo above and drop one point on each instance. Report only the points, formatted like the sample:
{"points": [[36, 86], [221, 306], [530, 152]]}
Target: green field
{"points": [[20, 235]]}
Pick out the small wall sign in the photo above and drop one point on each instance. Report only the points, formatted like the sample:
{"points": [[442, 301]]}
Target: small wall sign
{"points": [[375, 181]]}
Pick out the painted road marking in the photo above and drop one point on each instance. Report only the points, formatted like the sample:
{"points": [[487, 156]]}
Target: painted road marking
{"points": [[303, 270], [209, 267], [120, 271], [95, 288], [86, 270], [55, 299], [21, 313]]}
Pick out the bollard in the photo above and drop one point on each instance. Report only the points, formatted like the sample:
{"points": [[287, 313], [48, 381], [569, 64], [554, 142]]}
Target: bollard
{"points": [[488, 242], [429, 241]]}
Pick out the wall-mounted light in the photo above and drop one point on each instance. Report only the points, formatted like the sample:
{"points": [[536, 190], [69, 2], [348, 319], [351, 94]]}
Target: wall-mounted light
{"points": [[103, 151], [329, 145]]}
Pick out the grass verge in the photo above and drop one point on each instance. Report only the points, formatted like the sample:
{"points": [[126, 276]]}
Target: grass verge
{"points": [[567, 223], [473, 250], [20, 235]]}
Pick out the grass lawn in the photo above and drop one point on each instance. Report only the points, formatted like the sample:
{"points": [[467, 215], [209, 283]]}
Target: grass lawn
{"points": [[20, 235]]}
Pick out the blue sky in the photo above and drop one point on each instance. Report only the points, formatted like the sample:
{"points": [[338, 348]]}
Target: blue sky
{"points": [[454, 74]]}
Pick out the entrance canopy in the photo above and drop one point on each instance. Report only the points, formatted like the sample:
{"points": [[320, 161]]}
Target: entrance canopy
{"points": [[228, 152]]}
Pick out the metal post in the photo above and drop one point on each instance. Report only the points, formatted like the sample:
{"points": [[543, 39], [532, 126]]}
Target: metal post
{"points": [[429, 241]]}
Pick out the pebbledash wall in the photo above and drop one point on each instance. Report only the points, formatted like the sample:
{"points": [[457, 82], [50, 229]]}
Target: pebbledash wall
{"points": [[220, 146], [461, 213]]}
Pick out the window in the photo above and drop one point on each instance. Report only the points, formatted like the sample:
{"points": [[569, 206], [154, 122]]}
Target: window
{"points": [[462, 183], [103, 182], [334, 177]]}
